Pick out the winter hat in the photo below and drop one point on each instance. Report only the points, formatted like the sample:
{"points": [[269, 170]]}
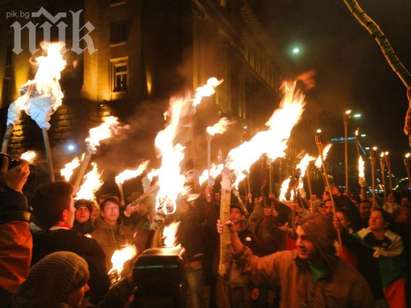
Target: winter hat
{"points": [[84, 203], [52, 279], [320, 231]]}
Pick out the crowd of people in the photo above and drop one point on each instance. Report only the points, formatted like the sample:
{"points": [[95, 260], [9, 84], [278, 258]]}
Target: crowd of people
{"points": [[337, 250]]}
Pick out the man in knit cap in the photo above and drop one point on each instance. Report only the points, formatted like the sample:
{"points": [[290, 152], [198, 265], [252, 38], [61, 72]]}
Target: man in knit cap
{"points": [[61, 280], [311, 275], [15, 236], [56, 280], [53, 209]]}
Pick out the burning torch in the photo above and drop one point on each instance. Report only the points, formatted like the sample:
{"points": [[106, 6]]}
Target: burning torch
{"points": [[373, 159], [320, 147], [382, 171], [407, 165], [388, 164]]}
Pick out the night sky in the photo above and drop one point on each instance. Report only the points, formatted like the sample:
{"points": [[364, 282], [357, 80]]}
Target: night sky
{"points": [[351, 71]]}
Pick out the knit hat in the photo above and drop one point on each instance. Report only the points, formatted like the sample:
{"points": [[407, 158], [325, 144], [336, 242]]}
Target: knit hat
{"points": [[84, 203], [320, 231], [52, 279]]}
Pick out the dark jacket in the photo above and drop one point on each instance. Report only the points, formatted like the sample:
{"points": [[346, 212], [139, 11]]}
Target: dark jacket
{"points": [[46, 242], [84, 228]]}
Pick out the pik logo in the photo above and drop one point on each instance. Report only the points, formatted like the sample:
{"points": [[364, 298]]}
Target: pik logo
{"points": [[80, 33]]}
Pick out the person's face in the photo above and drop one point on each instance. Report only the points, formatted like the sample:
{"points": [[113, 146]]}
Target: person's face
{"points": [[335, 191], [75, 298], [328, 208], [376, 221], [82, 215], [111, 212], [268, 211], [17, 177], [341, 220], [391, 198], [403, 216], [235, 215], [365, 210], [69, 213], [305, 248]]}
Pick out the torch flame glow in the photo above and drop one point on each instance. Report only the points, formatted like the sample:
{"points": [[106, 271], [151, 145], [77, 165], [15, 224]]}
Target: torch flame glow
{"points": [[171, 180], [302, 166], [215, 171], [169, 235], [68, 169], [219, 128], [29, 156], [304, 163], [120, 257], [284, 189], [361, 168], [102, 132], [92, 183], [41, 96], [273, 140], [319, 163], [407, 155], [131, 173], [206, 90]]}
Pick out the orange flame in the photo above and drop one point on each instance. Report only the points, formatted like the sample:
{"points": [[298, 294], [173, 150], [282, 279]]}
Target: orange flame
{"points": [[215, 171], [273, 140], [102, 132], [302, 166], [131, 173], [29, 156], [92, 183], [169, 235], [45, 88], [284, 189], [171, 180], [319, 163], [361, 170], [120, 257], [206, 90], [68, 169], [218, 128]]}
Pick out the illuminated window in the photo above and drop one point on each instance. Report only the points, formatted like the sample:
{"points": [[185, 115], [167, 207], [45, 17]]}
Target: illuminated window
{"points": [[120, 76]]}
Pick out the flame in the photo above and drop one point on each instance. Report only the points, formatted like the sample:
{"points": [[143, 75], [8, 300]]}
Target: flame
{"points": [[218, 128], [319, 163], [206, 90], [361, 168], [45, 85], [169, 235], [131, 173], [92, 183], [102, 132], [302, 166], [273, 140], [304, 163], [49, 71], [284, 189], [29, 156], [215, 171], [120, 257], [407, 155], [171, 180], [68, 169]]}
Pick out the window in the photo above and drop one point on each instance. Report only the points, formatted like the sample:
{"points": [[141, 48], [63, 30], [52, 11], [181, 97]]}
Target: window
{"points": [[120, 76], [118, 32]]}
